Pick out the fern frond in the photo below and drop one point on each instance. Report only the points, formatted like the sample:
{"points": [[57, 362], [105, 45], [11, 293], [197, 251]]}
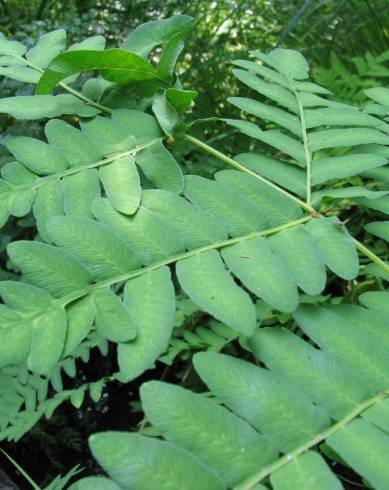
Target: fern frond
{"points": [[26, 65], [62, 177], [47, 64], [76, 283], [380, 97], [25, 397], [315, 135], [272, 418], [348, 83]]}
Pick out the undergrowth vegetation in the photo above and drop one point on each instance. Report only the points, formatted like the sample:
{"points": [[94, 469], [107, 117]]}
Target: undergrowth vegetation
{"points": [[262, 284]]}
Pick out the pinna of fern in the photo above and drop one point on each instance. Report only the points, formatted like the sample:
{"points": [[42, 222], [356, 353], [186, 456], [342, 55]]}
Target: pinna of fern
{"points": [[323, 144], [79, 276], [271, 419], [320, 140], [64, 175], [348, 84], [94, 255], [49, 63]]}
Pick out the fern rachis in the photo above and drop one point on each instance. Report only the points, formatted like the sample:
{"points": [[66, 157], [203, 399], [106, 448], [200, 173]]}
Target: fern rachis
{"points": [[344, 410]]}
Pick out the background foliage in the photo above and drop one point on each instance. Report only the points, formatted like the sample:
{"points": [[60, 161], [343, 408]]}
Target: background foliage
{"points": [[347, 44]]}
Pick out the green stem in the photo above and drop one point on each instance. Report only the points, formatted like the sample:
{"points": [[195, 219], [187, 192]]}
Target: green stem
{"points": [[287, 458], [138, 272], [75, 170], [307, 152], [87, 100], [371, 255], [74, 92], [22, 472], [233, 163], [62, 302], [307, 207]]}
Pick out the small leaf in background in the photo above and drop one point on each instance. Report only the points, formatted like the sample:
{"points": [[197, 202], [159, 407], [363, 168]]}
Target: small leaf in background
{"points": [[95, 88], [77, 397], [379, 94], [169, 57], [48, 46], [45, 106], [12, 48], [169, 107], [151, 34], [96, 43]]}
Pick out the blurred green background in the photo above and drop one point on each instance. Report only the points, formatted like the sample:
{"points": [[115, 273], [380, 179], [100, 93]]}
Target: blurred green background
{"points": [[328, 32]]}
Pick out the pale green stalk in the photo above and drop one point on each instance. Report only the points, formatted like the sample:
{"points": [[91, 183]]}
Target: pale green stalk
{"points": [[74, 92], [308, 158], [175, 258], [287, 458], [233, 163], [21, 470], [307, 207], [74, 170], [62, 302]]}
